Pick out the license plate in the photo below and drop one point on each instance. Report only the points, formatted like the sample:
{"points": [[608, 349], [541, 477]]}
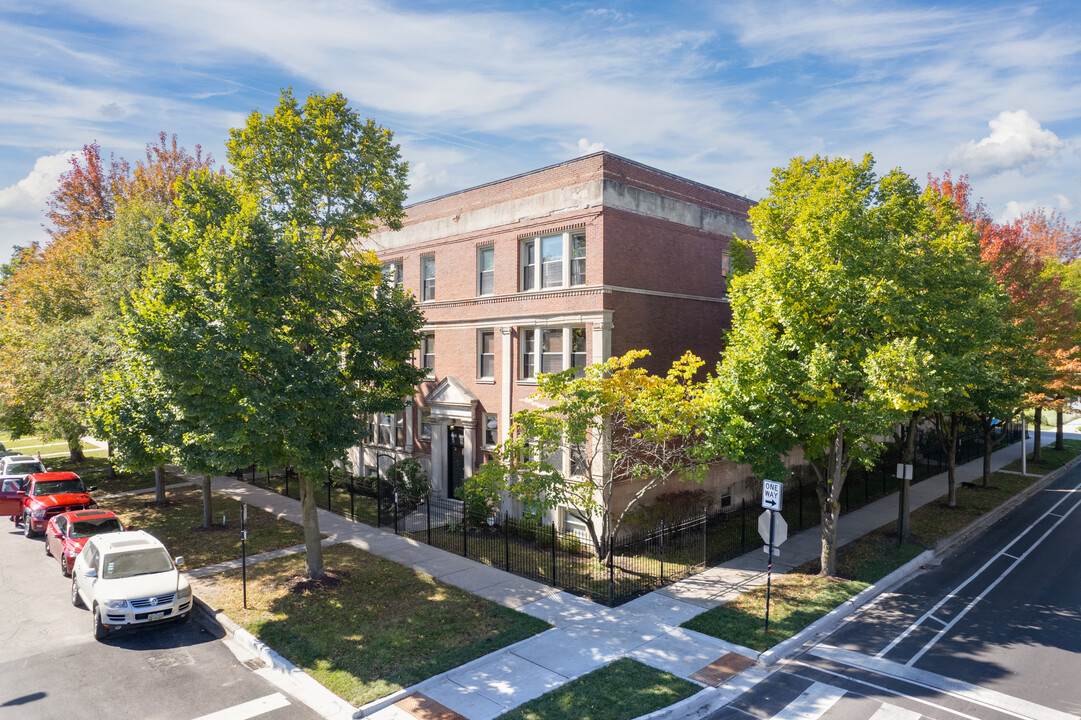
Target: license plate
{"points": [[156, 616]]}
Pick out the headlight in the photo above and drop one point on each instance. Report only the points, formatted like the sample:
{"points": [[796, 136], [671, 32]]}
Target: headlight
{"points": [[38, 514], [184, 593], [116, 604]]}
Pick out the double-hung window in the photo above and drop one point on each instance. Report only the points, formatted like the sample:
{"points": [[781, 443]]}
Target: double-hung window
{"points": [[425, 424], [491, 429], [392, 272], [385, 429], [553, 261], [427, 278], [551, 350], [427, 352], [486, 354], [485, 270]]}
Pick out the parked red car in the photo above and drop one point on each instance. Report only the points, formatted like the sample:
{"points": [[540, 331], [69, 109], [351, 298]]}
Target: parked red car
{"points": [[52, 493], [68, 532]]}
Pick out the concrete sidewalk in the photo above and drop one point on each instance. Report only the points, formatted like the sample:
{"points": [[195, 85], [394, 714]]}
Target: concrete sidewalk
{"points": [[585, 635]]}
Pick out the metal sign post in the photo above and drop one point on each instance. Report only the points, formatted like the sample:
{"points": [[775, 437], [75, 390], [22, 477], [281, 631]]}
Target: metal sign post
{"points": [[772, 495], [244, 551]]}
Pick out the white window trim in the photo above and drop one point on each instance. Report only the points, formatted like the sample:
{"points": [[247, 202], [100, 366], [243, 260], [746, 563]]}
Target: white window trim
{"points": [[424, 259], [480, 354], [480, 271], [486, 418], [421, 435], [538, 261], [538, 353], [428, 336]]}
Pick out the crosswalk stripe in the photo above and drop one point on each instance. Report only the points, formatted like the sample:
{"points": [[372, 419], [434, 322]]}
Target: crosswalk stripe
{"points": [[814, 701], [892, 712], [250, 709]]}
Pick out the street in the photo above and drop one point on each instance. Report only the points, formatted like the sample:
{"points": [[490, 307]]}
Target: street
{"points": [[52, 668], [994, 632]]}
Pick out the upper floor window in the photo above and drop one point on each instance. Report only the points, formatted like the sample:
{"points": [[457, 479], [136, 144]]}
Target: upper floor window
{"points": [[425, 424], [551, 350], [553, 261], [486, 354], [427, 352], [427, 277], [485, 270], [491, 429], [392, 271]]}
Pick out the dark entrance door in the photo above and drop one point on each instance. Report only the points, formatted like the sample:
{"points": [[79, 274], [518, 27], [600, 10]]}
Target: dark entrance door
{"points": [[455, 460]]}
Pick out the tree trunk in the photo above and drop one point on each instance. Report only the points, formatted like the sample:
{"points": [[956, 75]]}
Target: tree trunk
{"points": [[208, 511], [951, 459], [829, 498], [988, 428], [1037, 430], [75, 450], [908, 450], [159, 484], [313, 546], [1058, 429], [109, 454]]}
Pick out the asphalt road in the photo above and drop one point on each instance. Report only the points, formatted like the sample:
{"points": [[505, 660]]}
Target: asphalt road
{"points": [[51, 666], [994, 632]]}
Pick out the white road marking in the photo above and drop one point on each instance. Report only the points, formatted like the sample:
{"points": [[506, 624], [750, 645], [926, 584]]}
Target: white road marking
{"points": [[1007, 704], [812, 704], [892, 712], [250, 709], [882, 690], [953, 594]]}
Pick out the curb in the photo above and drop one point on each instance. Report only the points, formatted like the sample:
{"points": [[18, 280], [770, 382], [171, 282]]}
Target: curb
{"points": [[281, 672], [712, 698]]}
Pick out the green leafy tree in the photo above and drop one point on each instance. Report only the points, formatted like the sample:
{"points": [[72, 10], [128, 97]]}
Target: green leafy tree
{"points": [[841, 328], [617, 422], [272, 341]]}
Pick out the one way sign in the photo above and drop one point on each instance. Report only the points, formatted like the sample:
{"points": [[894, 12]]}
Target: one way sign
{"points": [[772, 491]]}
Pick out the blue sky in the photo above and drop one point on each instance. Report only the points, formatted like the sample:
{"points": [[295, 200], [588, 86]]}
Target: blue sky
{"points": [[720, 92]]}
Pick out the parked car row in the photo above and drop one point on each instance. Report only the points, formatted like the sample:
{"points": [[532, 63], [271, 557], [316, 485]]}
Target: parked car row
{"points": [[124, 577]]}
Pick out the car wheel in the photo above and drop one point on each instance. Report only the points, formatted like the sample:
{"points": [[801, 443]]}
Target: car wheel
{"points": [[28, 529], [75, 599], [100, 630], [64, 565]]}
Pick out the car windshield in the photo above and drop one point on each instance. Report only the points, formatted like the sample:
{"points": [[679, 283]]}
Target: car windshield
{"points": [[136, 562], [86, 528], [24, 468], [58, 487]]}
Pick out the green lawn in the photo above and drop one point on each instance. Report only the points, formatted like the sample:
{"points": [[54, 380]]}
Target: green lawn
{"points": [[178, 524], [384, 627], [800, 597], [623, 690]]}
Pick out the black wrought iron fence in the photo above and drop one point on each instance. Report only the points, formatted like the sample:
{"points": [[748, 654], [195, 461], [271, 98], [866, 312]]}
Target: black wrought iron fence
{"points": [[639, 562]]}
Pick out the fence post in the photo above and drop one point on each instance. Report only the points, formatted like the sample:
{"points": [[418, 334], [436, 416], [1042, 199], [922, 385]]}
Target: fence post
{"points": [[329, 483], [506, 544], [800, 503], [286, 481], [662, 552], [352, 507], [742, 524], [704, 527], [553, 554], [428, 506], [611, 573], [395, 512], [378, 502], [465, 533]]}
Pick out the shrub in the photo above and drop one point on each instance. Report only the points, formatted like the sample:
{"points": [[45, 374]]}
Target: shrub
{"points": [[671, 508], [409, 479]]}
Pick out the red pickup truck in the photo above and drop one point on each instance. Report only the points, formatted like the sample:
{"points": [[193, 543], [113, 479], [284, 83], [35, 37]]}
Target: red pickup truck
{"points": [[47, 494]]}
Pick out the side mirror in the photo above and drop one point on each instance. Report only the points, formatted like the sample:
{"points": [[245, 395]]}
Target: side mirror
{"points": [[91, 573], [179, 560]]}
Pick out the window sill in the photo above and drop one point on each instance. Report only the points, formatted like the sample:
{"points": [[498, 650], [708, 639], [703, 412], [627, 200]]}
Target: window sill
{"points": [[485, 381]]}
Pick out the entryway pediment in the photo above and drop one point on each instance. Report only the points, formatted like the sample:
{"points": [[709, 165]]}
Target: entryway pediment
{"points": [[451, 400]]}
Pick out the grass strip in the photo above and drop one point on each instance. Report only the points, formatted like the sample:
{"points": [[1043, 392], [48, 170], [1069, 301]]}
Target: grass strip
{"points": [[800, 597], [179, 524], [622, 690], [374, 628]]}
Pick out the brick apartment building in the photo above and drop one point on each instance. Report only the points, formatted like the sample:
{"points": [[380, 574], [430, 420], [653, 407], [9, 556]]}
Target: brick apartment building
{"points": [[559, 267]]}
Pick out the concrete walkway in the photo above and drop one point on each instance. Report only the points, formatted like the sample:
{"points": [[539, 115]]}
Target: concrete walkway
{"points": [[585, 635]]}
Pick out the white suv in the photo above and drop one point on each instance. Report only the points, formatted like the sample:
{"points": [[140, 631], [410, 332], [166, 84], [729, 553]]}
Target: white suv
{"points": [[129, 579]]}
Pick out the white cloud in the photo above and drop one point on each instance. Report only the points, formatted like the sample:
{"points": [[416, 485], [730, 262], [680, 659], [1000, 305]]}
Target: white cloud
{"points": [[1064, 204], [424, 182], [1016, 208], [25, 199], [1017, 142], [585, 147]]}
